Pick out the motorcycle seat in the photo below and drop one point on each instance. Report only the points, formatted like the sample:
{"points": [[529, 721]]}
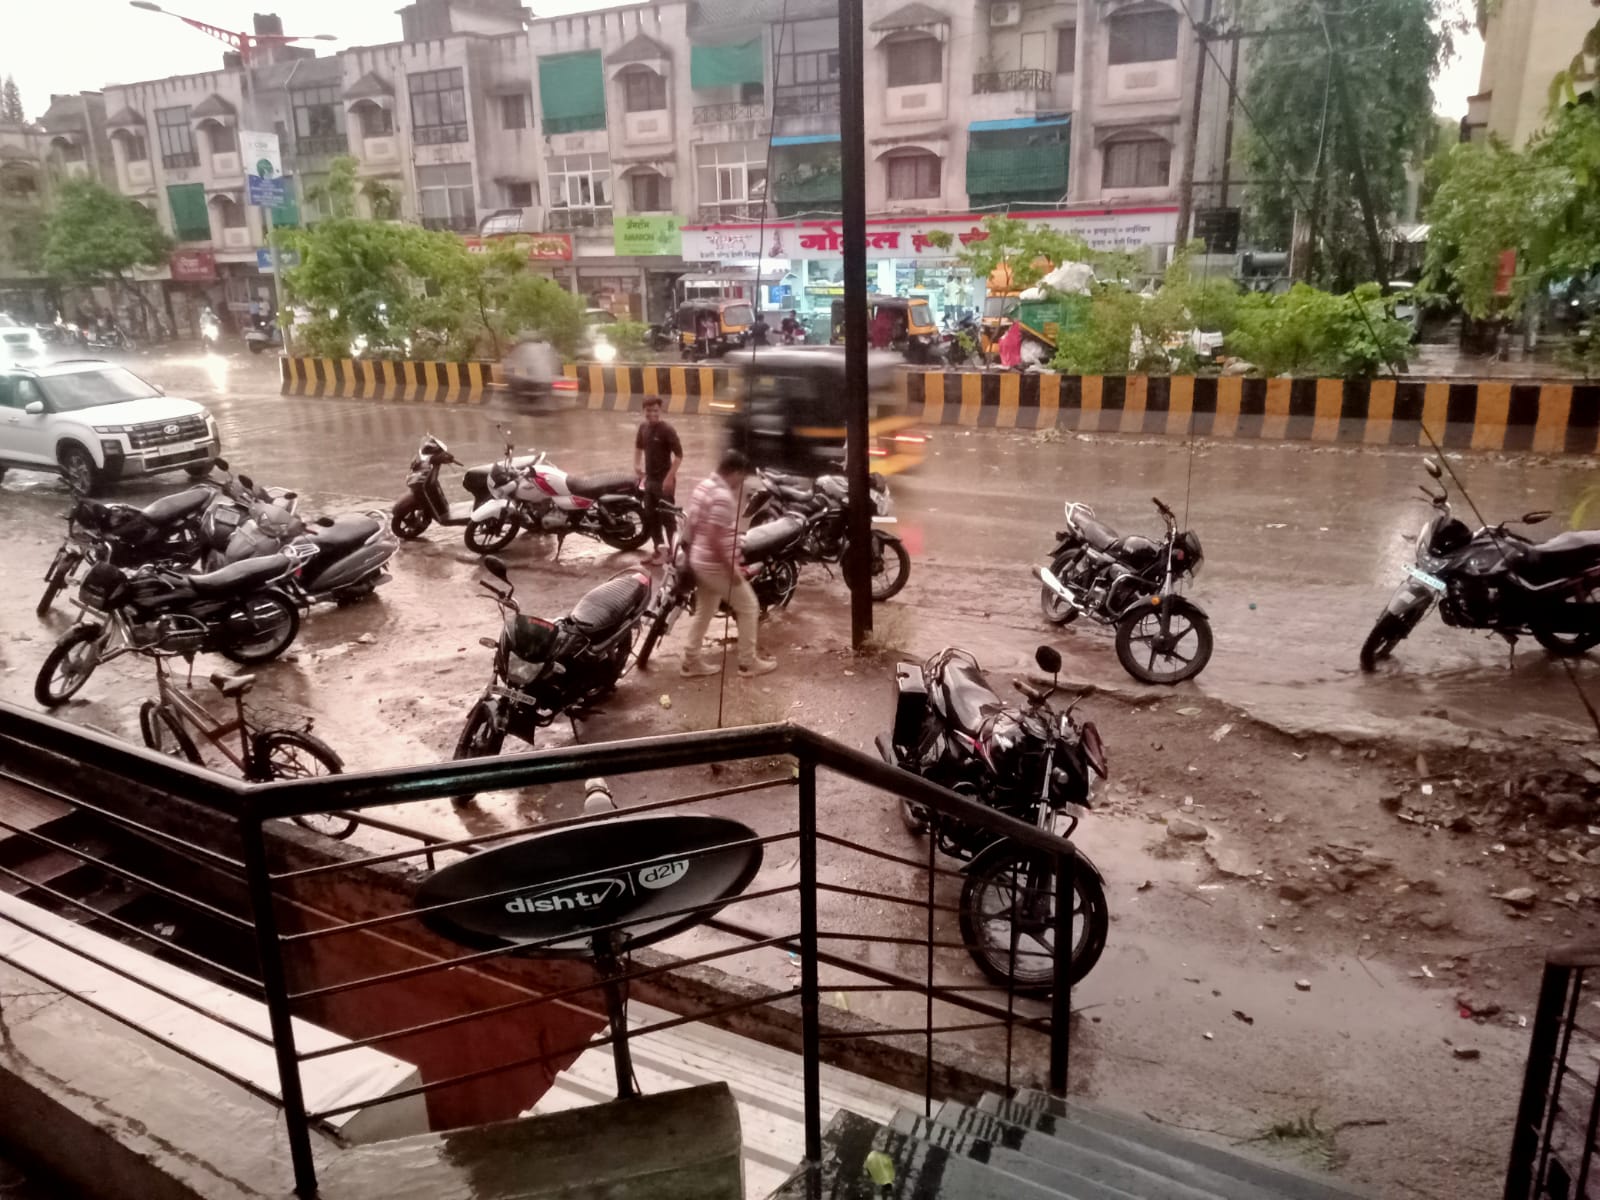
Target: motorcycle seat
{"points": [[1097, 535], [781, 479], [603, 608], [343, 536], [969, 696], [1563, 555], [592, 487], [244, 576], [763, 541], [174, 508]]}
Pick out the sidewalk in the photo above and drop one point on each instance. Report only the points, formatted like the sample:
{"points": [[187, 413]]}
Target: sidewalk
{"points": [[1449, 361]]}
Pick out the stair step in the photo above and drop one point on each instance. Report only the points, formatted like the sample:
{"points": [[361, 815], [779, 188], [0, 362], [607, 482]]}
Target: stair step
{"points": [[1098, 1162], [1065, 1178], [922, 1170], [45, 868], [1147, 1145]]}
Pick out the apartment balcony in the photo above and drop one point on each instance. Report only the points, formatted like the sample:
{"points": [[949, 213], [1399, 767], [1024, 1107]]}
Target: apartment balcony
{"points": [[176, 161], [717, 214], [990, 83], [439, 135], [455, 223], [806, 99], [717, 114], [579, 218]]}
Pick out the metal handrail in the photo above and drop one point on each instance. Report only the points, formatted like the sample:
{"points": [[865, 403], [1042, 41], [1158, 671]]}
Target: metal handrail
{"points": [[1026, 80]]}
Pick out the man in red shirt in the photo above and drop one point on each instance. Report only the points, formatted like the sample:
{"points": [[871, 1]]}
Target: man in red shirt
{"points": [[711, 526]]}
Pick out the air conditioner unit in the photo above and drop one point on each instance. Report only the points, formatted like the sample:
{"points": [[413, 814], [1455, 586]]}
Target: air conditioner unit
{"points": [[1005, 14]]}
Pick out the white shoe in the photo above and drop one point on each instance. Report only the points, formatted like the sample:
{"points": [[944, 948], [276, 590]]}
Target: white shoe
{"points": [[691, 667], [761, 666]]}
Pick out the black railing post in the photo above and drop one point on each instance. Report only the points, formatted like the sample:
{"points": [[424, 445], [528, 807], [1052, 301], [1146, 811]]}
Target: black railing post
{"points": [[1553, 994], [276, 986], [1061, 997], [810, 999]]}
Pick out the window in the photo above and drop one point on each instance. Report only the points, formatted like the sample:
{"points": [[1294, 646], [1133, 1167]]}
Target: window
{"points": [[177, 139], [26, 393], [438, 107], [514, 112], [91, 389], [643, 91], [1066, 49], [1137, 163], [915, 63], [70, 151], [914, 176], [191, 220], [221, 139], [732, 179], [444, 197], [580, 191], [1139, 37], [376, 121], [752, 93], [232, 213], [134, 145], [807, 82], [650, 192], [519, 195], [318, 121]]}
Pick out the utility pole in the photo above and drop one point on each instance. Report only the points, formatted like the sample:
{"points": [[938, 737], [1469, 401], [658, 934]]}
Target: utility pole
{"points": [[1350, 136], [1192, 134], [853, 165]]}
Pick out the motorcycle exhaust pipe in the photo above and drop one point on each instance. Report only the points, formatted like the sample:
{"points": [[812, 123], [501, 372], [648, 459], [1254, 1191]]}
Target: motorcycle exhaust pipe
{"points": [[1045, 576]]}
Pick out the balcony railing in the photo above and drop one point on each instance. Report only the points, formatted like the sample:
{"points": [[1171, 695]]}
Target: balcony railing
{"points": [[804, 99], [438, 135], [579, 218], [712, 214], [456, 222], [1029, 80], [716, 114], [190, 158], [326, 146]]}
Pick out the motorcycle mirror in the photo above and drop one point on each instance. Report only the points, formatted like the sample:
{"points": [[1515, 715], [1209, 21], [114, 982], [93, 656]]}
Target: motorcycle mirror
{"points": [[1431, 466], [1534, 518], [1048, 658], [495, 567], [248, 483], [221, 464]]}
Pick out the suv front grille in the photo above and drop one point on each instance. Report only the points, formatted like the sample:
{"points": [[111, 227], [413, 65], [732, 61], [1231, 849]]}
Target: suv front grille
{"points": [[167, 433]]}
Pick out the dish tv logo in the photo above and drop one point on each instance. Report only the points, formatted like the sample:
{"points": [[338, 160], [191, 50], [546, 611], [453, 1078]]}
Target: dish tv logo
{"points": [[574, 897]]}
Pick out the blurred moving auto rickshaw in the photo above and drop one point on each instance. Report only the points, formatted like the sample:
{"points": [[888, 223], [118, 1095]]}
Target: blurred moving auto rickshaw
{"points": [[710, 328], [896, 323], [795, 405]]}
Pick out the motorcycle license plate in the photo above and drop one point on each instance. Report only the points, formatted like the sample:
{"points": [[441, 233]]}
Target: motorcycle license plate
{"points": [[886, 520], [1424, 578]]}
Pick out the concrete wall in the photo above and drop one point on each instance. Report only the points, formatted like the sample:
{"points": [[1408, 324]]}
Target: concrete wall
{"points": [[1526, 42]]}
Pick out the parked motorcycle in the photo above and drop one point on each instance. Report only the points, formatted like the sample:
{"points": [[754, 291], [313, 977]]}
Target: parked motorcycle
{"points": [[825, 502], [1495, 579], [424, 503], [242, 612], [546, 669], [770, 554], [343, 558], [542, 498], [960, 345], [1033, 763], [1130, 582]]}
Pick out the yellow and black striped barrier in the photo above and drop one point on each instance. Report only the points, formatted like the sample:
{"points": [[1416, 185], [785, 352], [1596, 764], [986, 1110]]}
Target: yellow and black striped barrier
{"points": [[388, 379]]}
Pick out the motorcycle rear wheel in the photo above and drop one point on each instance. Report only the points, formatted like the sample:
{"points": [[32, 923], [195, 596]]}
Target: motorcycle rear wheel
{"points": [[490, 536], [480, 738], [1003, 887], [626, 531], [1571, 645], [1056, 610], [410, 520], [274, 621], [891, 566]]}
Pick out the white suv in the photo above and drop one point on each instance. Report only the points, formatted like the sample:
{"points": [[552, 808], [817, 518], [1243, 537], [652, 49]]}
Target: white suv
{"points": [[94, 422]]}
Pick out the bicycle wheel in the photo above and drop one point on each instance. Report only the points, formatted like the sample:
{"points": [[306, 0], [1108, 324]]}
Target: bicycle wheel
{"points": [[287, 754], [164, 733]]}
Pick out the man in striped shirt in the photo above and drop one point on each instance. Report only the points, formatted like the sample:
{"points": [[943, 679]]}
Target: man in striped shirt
{"points": [[711, 526]]}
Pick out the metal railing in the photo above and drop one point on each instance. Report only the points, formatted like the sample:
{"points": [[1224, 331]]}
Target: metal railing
{"points": [[990, 82], [815, 914], [190, 158], [325, 146], [712, 214], [806, 99], [579, 218], [714, 114], [438, 135], [1553, 1145]]}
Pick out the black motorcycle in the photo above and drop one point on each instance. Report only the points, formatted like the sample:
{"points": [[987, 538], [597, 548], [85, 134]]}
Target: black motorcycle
{"points": [[242, 612], [1033, 763], [1495, 579], [770, 554], [1130, 582], [825, 502], [547, 669], [424, 503]]}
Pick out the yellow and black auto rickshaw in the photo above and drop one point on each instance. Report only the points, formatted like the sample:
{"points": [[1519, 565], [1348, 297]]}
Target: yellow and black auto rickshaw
{"points": [[895, 323], [793, 410], [710, 328]]}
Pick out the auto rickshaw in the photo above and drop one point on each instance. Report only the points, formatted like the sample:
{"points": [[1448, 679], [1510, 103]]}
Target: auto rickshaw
{"points": [[794, 410], [906, 322], [710, 328]]}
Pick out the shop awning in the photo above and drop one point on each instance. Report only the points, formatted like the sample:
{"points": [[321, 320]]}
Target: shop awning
{"points": [[726, 66], [572, 92], [806, 139], [1019, 123]]}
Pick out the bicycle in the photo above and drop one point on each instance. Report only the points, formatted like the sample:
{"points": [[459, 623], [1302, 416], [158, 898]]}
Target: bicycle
{"points": [[263, 755]]}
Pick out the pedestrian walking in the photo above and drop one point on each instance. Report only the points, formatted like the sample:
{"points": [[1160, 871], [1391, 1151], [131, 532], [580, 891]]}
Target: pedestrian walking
{"points": [[656, 455], [711, 526]]}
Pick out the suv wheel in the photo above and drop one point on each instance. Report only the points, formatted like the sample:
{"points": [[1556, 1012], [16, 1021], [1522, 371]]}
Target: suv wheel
{"points": [[78, 469]]}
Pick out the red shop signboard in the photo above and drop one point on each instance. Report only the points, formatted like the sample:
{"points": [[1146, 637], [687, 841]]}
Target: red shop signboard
{"points": [[541, 247], [193, 266]]}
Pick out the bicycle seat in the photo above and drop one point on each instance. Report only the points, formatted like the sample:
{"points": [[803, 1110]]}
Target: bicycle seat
{"points": [[232, 685]]}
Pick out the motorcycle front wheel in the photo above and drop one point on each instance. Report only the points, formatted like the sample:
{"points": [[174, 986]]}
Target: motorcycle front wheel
{"points": [[258, 630], [68, 666], [653, 635], [1152, 655], [490, 536], [481, 737], [1011, 899], [1388, 633], [410, 520], [55, 579]]}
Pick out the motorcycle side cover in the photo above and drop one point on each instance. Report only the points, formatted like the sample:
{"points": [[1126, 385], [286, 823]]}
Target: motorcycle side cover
{"points": [[492, 509]]}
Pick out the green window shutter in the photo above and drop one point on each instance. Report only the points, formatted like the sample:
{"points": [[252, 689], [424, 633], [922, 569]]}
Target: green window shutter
{"points": [[1020, 164], [572, 92], [190, 220], [726, 66]]}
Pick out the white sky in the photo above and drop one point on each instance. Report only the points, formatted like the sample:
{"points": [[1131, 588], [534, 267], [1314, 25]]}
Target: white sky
{"points": [[75, 45]]}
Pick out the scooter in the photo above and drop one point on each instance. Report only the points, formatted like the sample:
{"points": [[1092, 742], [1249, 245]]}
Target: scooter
{"points": [[210, 331], [424, 503], [342, 558]]}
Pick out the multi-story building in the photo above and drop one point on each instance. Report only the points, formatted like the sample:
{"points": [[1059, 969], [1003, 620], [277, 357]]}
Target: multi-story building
{"points": [[1525, 45]]}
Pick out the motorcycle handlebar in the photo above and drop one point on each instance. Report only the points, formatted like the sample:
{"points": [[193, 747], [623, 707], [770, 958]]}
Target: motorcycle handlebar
{"points": [[1162, 508]]}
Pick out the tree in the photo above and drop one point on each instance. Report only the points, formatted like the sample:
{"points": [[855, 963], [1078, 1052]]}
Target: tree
{"points": [[1308, 153], [22, 234], [11, 110], [95, 235], [1028, 252]]}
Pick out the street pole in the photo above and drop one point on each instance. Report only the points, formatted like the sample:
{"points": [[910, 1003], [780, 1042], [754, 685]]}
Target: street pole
{"points": [[853, 164], [253, 115], [1192, 134]]}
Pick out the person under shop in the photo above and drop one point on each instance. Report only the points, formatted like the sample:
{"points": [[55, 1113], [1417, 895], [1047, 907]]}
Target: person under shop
{"points": [[880, 333], [791, 329]]}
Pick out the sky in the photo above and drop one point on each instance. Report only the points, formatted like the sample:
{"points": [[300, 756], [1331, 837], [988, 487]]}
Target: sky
{"points": [[77, 45]]}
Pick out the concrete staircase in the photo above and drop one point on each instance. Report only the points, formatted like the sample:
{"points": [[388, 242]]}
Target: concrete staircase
{"points": [[1033, 1147]]}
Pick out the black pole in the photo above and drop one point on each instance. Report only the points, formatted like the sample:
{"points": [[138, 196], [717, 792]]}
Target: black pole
{"points": [[810, 983], [853, 163]]}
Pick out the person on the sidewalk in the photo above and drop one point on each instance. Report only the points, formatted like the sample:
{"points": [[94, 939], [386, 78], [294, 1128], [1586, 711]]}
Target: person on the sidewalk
{"points": [[656, 455], [711, 526]]}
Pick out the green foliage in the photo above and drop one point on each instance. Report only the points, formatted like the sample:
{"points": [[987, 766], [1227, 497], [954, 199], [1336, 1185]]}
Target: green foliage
{"points": [[11, 110], [629, 337], [1310, 332], [1025, 248], [95, 235], [22, 234]]}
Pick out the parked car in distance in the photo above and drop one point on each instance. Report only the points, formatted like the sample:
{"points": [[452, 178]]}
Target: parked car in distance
{"points": [[93, 422], [19, 341]]}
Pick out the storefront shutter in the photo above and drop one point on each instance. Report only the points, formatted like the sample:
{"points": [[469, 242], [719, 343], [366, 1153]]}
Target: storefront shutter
{"points": [[726, 66], [572, 92], [190, 220]]}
